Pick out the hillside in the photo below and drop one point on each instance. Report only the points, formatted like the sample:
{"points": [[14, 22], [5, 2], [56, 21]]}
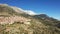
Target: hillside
{"points": [[15, 21]]}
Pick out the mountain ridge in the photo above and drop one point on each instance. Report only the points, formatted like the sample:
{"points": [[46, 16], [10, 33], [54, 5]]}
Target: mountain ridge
{"points": [[14, 21]]}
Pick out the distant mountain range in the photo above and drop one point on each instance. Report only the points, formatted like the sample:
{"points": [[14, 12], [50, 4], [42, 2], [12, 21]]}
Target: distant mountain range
{"points": [[14, 20]]}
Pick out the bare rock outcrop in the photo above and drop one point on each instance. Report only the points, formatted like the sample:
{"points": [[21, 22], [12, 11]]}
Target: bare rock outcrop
{"points": [[12, 19]]}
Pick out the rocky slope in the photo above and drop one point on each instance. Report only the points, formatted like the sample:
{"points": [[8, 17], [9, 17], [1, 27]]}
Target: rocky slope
{"points": [[15, 21]]}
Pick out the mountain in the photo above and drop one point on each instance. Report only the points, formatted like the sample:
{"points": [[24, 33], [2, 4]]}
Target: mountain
{"points": [[45, 19], [14, 20]]}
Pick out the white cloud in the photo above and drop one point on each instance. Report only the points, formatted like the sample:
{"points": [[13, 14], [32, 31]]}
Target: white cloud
{"points": [[20, 9], [30, 12]]}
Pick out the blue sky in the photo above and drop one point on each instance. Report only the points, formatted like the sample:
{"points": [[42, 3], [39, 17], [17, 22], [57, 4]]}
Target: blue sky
{"points": [[49, 7]]}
